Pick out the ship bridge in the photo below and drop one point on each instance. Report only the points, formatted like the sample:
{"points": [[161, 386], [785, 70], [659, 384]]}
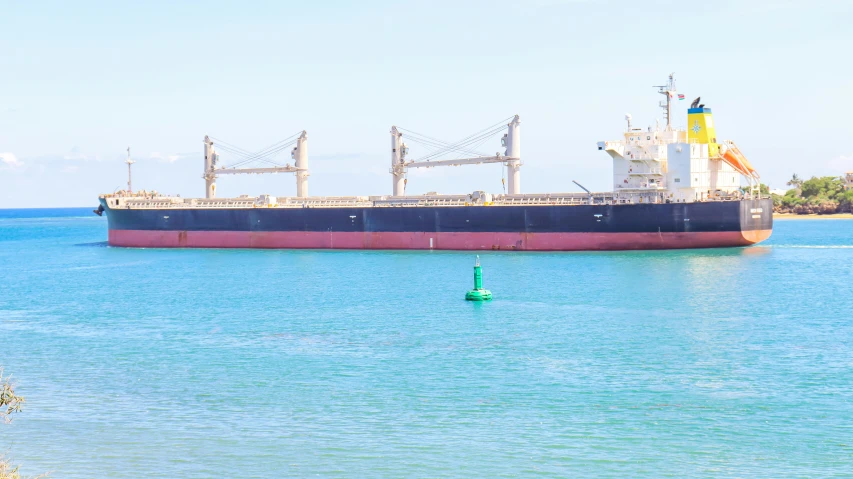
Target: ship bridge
{"points": [[664, 163]]}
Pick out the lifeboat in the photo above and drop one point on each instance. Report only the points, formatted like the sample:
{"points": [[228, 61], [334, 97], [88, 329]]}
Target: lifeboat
{"points": [[731, 154]]}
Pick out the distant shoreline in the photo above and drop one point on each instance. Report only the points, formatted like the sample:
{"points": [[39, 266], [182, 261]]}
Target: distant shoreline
{"points": [[834, 216]]}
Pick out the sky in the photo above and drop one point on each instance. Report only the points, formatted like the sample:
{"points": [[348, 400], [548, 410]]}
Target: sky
{"points": [[82, 81]]}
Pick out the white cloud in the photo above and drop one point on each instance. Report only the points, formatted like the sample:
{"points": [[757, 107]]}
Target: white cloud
{"points": [[555, 3], [770, 6], [167, 158], [841, 163], [10, 160], [75, 154], [71, 169]]}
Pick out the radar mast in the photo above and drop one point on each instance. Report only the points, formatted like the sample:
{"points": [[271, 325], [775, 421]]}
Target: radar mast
{"points": [[668, 91]]}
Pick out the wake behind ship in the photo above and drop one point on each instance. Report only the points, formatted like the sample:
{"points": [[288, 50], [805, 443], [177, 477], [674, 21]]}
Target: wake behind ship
{"points": [[673, 188]]}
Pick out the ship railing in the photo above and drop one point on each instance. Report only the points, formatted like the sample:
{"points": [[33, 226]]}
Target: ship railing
{"points": [[615, 144], [543, 201], [648, 159], [553, 199], [223, 203], [580, 199], [379, 201], [428, 200], [642, 154], [284, 202], [641, 143], [647, 171], [151, 202], [326, 203]]}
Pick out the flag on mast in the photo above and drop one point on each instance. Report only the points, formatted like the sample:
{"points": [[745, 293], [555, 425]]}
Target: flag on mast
{"points": [[680, 96]]}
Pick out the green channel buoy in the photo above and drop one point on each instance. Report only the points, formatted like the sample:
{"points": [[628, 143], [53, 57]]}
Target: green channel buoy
{"points": [[478, 293]]}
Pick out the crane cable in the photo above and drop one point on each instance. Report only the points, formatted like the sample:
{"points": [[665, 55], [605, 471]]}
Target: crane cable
{"points": [[264, 155], [264, 151], [432, 144], [245, 161], [460, 145], [464, 143]]}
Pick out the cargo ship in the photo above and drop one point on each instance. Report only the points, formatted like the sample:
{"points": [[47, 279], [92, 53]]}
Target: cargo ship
{"points": [[672, 188]]}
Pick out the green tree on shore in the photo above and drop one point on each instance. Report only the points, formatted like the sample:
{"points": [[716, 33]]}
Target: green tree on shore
{"points": [[795, 181], [826, 187], [817, 195]]}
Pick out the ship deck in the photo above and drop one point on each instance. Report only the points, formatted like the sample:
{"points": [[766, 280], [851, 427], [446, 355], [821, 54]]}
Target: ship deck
{"points": [[143, 201]]}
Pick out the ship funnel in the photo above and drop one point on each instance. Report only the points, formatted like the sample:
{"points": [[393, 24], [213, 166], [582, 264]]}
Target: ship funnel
{"points": [[700, 129]]}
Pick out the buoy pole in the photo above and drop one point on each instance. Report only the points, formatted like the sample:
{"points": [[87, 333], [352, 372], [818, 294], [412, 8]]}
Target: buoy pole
{"points": [[478, 293]]}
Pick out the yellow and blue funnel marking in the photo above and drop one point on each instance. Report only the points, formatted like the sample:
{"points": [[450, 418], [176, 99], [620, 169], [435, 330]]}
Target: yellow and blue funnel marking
{"points": [[700, 129]]}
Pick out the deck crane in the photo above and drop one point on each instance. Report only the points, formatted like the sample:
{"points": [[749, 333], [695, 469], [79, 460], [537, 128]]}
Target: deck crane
{"points": [[511, 157], [299, 154]]}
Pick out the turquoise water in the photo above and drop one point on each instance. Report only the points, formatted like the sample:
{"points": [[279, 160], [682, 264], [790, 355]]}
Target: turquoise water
{"points": [[217, 363]]}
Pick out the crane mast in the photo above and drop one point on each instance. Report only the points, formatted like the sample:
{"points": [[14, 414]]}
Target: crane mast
{"points": [[129, 162], [299, 154], [511, 159]]}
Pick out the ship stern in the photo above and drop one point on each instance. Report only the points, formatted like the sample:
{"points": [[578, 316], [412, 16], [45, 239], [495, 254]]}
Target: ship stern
{"points": [[756, 220]]}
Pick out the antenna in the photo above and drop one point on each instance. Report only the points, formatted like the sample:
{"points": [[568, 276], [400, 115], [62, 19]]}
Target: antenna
{"points": [[668, 91], [129, 162]]}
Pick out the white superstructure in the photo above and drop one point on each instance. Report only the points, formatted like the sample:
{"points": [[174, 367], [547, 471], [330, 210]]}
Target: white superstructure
{"points": [[663, 163]]}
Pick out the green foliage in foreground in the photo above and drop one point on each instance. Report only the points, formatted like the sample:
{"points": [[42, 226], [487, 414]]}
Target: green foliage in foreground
{"points": [[10, 403], [818, 195], [7, 471]]}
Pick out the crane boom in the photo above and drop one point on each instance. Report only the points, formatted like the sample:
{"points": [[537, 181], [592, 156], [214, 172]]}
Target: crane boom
{"points": [[238, 171], [461, 161]]}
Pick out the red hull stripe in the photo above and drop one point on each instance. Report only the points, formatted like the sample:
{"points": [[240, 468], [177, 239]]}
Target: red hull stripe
{"points": [[444, 241]]}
